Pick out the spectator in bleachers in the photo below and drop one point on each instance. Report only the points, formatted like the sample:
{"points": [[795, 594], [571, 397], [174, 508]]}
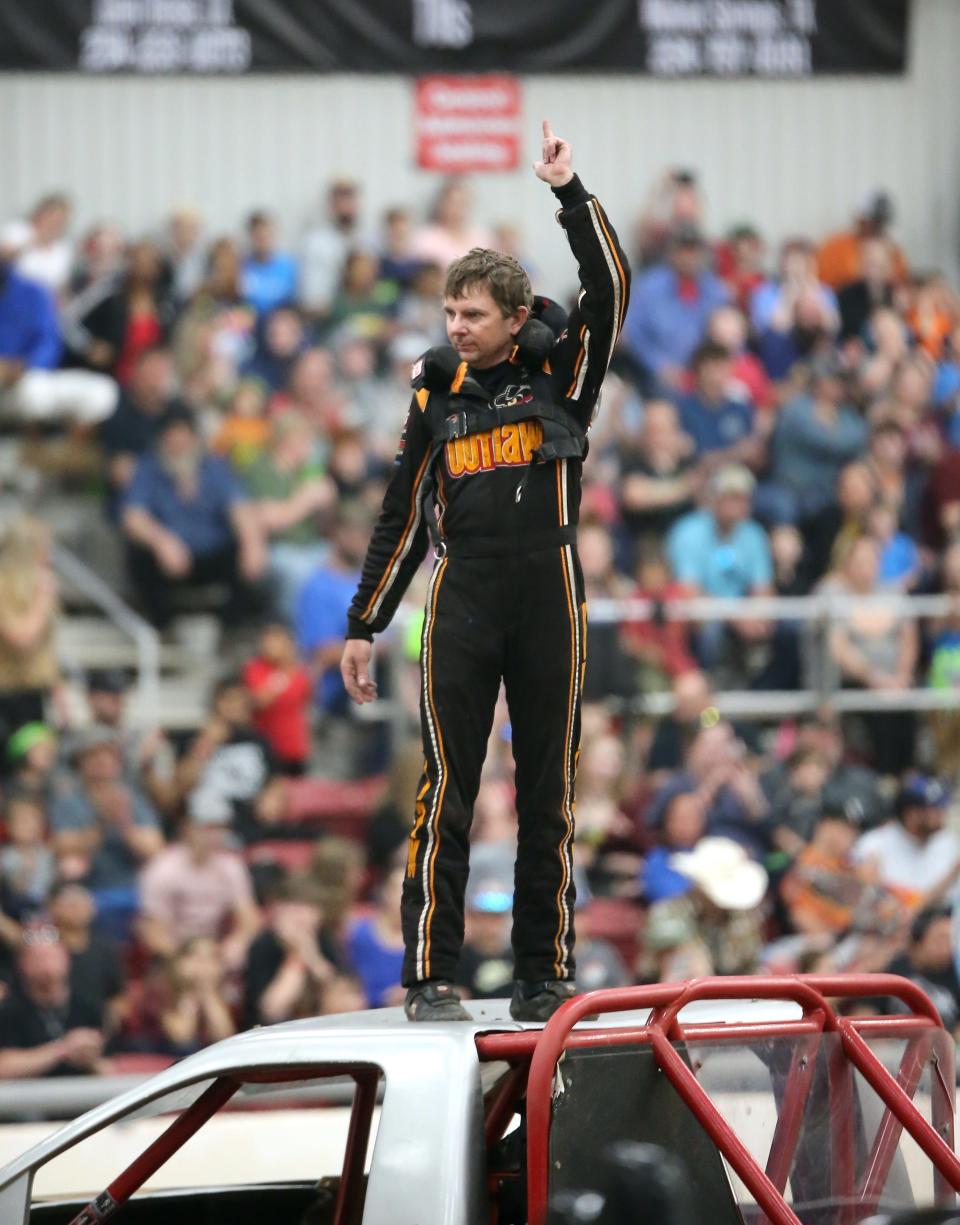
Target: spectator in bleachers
{"points": [[269, 276], [796, 804], [327, 245], [722, 428], [915, 855], [929, 962], [244, 430], [312, 390], [32, 388], [840, 257], [826, 892], [96, 961], [898, 483], [104, 830], [739, 263], [486, 959], [100, 257], [29, 611], [218, 323], [183, 250], [282, 690], [674, 199], [48, 256], [658, 479], [198, 888], [683, 822], [292, 498], [322, 608], [721, 551], [398, 263], [608, 668], [182, 1006], [131, 430], [375, 945], [875, 649], [670, 305], [815, 435], [661, 646], [115, 320], [47, 1028], [874, 290], [281, 340], [728, 327], [188, 521], [228, 761], [148, 757], [419, 308], [363, 302], [450, 231], [291, 961], [27, 864], [693, 708], [713, 928], [773, 304], [32, 759]]}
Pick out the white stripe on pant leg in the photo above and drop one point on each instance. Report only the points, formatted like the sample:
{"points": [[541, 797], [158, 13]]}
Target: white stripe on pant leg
{"points": [[566, 853], [425, 681]]}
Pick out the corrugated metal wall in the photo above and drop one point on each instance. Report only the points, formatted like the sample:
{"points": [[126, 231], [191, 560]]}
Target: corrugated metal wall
{"points": [[790, 156]]}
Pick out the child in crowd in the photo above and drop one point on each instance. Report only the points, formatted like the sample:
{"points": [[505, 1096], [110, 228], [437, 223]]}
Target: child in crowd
{"points": [[32, 758], [27, 864], [244, 430], [282, 692]]}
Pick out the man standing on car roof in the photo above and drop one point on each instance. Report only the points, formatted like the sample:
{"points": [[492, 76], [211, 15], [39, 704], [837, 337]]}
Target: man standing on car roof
{"points": [[489, 466]]}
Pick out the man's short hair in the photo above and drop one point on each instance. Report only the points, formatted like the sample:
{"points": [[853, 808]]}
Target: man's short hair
{"points": [[503, 275], [709, 351]]}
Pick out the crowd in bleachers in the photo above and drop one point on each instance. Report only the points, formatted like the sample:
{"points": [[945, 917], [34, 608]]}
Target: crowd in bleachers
{"points": [[775, 422]]}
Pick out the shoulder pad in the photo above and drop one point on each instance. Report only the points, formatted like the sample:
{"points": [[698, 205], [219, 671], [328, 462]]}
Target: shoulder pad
{"points": [[436, 369], [535, 340], [549, 312]]}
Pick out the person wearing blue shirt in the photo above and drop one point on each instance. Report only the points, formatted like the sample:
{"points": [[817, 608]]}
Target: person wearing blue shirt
{"points": [[321, 617], [188, 522], [669, 308], [31, 386], [815, 437], [719, 425], [269, 276], [722, 552]]}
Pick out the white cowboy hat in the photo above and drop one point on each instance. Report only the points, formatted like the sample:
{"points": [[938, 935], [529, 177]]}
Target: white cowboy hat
{"points": [[723, 870]]}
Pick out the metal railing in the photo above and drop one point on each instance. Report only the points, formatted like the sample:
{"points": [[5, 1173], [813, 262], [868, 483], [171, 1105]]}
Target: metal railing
{"points": [[145, 638], [815, 614]]}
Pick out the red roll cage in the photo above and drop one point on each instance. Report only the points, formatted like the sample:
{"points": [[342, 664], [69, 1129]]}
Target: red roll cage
{"points": [[534, 1055]]}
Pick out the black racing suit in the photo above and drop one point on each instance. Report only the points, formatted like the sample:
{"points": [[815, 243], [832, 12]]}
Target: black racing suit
{"points": [[505, 601]]}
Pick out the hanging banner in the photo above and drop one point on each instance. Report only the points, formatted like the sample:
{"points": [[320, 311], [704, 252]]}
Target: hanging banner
{"points": [[466, 124], [663, 38]]}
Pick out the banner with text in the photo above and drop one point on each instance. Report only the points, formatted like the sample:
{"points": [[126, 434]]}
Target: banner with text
{"points": [[663, 38]]}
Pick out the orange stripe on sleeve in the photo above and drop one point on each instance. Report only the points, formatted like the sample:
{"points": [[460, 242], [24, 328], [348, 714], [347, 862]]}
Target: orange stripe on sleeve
{"points": [[406, 531]]}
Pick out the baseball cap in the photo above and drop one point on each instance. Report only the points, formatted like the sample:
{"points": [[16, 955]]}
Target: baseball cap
{"points": [[107, 680], [923, 791], [206, 807], [26, 737], [734, 478], [89, 738], [687, 234], [490, 895]]}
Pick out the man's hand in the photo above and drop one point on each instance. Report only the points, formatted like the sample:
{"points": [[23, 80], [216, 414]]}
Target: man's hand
{"points": [[82, 1047], [556, 168], [253, 559], [355, 670], [173, 556]]}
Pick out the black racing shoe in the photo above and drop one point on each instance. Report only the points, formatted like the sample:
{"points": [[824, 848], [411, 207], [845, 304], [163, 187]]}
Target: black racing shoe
{"points": [[434, 1001], [539, 1001]]}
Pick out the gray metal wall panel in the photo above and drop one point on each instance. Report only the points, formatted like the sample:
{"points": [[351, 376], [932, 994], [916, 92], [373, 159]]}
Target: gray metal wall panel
{"points": [[790, 156]]}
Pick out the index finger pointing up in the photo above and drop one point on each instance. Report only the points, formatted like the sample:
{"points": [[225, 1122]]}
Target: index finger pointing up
{"points": [[547, 130]]}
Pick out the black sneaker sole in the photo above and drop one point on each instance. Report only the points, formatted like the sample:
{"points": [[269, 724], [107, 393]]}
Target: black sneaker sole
{"points": [[439, 1012]]}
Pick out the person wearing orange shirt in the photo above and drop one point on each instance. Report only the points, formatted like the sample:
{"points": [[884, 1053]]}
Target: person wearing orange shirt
{"points": [[839, 260]]}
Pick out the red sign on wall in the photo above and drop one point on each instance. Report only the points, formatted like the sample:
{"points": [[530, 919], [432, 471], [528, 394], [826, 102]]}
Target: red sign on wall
{"points": [[467, 124]]}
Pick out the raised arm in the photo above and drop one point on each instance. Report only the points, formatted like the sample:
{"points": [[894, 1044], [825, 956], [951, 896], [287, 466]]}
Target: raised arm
{"points": [[581, 356]]}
